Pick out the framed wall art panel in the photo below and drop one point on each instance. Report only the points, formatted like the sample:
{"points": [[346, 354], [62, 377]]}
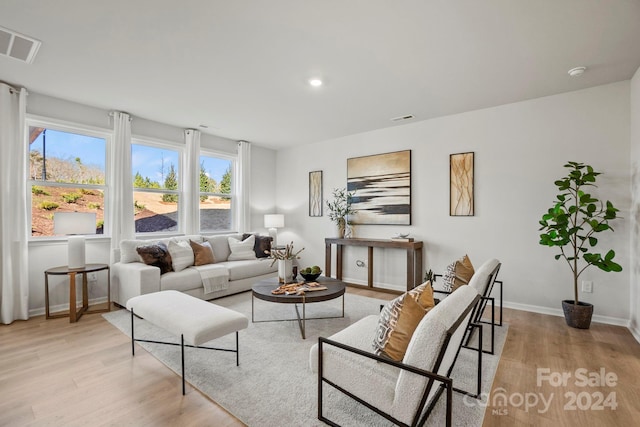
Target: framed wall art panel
{"points": [[382, 188], [461, 200], [315, 193]]}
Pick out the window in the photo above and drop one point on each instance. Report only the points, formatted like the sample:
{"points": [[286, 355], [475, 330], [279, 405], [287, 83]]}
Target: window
{"points": [[217, 193], [156, 174], [66, 173]]}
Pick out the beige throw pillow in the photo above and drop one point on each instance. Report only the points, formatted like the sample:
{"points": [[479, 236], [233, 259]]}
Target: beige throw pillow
{"points": [[242, 250], [181, 254]]}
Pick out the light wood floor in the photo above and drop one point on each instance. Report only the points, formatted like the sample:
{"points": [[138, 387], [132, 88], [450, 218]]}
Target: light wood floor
{"points": [[53, 373]]}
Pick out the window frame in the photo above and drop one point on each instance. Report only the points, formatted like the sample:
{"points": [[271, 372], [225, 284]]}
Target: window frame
{"points": [[32, 120], [233, 158], [164, 145]]}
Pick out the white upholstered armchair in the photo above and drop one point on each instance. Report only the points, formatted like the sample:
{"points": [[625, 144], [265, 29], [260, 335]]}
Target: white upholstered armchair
{"points": [[403, 392]]}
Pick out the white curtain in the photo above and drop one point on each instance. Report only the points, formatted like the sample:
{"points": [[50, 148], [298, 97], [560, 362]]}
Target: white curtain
{"points": [[244, 186], [190, 203], [121, 222], [14, 231]]}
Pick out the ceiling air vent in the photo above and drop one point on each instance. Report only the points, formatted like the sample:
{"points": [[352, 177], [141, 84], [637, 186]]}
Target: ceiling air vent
{"points": [[18, 46], [401, 118]]}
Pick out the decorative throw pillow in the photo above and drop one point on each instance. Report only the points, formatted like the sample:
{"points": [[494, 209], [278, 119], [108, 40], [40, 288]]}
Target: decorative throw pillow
{"points": [[181, 254], [242, 249], [389, 320], [128, 251], [262, 245], [411, 314], [458, 273], [156, 255], [202, 253]]}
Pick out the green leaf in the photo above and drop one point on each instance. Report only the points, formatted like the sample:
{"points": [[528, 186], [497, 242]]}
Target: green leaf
{"points": [[593, 241], [609, 256]]}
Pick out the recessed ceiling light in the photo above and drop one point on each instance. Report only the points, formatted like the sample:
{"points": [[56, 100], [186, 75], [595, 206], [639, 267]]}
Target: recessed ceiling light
{"points": [[315, 82], [578, 71]]}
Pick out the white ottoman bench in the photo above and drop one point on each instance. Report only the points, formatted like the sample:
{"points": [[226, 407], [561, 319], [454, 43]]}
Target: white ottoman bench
{"points": [[195, 321]]}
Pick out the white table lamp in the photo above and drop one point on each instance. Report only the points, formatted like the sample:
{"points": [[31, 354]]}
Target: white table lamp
{"points": [[273, 222], [76, 225]]}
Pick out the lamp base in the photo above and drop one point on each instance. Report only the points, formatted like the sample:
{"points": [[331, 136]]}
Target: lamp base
{"points": [[273, 233], [76, 252]]}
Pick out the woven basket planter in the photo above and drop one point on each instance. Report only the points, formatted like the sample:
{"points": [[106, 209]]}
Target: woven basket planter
{"points": [[577, 316]]}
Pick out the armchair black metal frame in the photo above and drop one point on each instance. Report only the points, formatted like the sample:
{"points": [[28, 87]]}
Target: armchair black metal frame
{"points": [[445, 382], [479, 310]]}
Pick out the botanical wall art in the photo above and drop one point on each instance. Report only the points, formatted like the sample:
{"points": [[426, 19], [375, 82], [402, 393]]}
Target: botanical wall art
{"points": [[382, 188], [461, 184], [315, 193]]}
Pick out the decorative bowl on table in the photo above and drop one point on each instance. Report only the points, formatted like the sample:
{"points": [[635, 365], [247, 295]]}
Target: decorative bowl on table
{"points": [[310, 274]]}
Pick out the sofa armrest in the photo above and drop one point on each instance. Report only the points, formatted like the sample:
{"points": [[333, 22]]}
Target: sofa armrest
{"points": [[133, 279]]}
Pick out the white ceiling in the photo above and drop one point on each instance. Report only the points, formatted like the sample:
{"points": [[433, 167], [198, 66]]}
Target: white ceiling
{"points": [[241, 67]]}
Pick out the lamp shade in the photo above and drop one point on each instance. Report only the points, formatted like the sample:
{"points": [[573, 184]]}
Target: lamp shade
{"points": [[274, 221], [74, 223]]}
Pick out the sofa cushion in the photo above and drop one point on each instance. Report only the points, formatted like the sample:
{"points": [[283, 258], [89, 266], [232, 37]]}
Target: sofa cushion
{"points": [[220, 246], [242, 250], [262, 245], [185, 280], [157, 255], [458, 273], [181, 254], [244, 269], [202, 253]]}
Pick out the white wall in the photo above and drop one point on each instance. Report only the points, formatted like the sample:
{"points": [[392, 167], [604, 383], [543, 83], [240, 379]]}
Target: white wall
{"points": [[263, 188], [635, 206], [45, 254], [519, 152]]}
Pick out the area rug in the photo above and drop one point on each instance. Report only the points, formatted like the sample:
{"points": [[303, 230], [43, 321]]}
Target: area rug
{"points": [[274, 386]]}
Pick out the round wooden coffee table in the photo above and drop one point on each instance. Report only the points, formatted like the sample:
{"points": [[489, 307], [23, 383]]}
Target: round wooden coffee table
{"points": [[262, 290]]}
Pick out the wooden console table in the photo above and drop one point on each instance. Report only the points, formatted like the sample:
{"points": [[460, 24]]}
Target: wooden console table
{"points": [[413, 249]]}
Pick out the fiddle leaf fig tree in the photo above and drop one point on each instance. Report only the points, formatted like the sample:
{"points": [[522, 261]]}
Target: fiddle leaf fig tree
{"points": [[574, 220]]}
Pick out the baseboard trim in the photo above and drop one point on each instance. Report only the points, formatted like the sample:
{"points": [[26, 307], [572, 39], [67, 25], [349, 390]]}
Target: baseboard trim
{"points": [[62, 307], [635, 332], [618, 321], [377, 286]]}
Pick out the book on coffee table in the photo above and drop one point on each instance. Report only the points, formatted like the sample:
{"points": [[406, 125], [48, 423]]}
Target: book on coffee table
{"points": [[312, 286]]}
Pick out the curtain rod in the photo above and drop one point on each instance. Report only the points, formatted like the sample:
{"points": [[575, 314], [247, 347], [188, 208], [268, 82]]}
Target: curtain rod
{"points": [[12, 89]]}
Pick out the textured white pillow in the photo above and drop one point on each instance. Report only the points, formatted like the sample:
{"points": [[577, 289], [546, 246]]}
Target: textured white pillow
{"points": [[242, 249], [181, 255], [128, 251]]}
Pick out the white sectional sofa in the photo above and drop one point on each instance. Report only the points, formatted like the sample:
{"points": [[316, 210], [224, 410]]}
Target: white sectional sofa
{"points": [[131, 277]]}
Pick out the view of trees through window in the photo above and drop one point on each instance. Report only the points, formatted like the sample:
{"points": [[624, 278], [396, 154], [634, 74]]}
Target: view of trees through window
{"points": [[216, 193], [156, 188], [66, 174]]}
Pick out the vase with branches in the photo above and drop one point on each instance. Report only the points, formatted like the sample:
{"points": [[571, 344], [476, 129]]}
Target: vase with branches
{"points": [[285, 257], [340, 208], [571, 225]]}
